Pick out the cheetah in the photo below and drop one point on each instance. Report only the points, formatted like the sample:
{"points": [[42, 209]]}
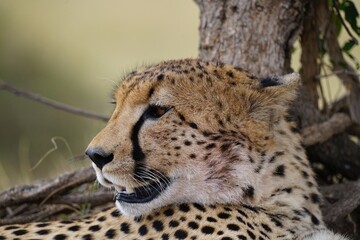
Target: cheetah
{"points": [[198, 150]]}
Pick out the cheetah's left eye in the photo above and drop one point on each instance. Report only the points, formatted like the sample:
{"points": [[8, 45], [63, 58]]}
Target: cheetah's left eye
{"points": [[155, 111]]}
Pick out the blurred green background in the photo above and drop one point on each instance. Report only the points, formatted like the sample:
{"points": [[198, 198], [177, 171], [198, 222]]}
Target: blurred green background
{"points": [[75, 52]]}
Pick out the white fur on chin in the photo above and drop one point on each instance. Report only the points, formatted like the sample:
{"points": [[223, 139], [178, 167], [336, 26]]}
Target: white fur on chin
{"points": [[325, 235]]}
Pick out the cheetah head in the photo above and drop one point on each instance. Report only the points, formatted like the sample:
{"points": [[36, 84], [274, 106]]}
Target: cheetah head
{"points": [[188, 131]]}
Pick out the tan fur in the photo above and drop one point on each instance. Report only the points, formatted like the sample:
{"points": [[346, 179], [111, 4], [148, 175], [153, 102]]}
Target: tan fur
{"points": [[224, 142]]}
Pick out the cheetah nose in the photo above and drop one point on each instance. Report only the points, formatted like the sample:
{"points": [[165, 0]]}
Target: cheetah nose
{"points": [[99, 157]]}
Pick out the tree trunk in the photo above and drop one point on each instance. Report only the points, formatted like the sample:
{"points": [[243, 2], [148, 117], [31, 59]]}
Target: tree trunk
{"points": [[254, 35]]}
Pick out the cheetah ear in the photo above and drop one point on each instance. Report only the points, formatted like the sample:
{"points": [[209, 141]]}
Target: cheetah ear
{"points": [[291, 80], [274, 96], [282, 89]]}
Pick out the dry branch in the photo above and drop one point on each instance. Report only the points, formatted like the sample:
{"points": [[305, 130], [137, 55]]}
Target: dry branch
{"points": [[41, 191], [44, 213], [95, 199], [52, 103], [321, 132], [348, 199]]}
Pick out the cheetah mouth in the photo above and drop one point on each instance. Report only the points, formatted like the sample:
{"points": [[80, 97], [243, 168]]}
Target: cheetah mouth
{"points": [[144, 193]]}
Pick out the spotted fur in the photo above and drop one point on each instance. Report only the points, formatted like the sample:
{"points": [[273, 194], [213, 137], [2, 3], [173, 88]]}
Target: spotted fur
{"points": [[198, 150]]}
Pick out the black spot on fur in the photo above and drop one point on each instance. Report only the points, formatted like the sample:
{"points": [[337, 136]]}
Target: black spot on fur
{"points": [[182, 118], [143, 230], [210, 146], [266, 227], [251, 234], [151, 91], [223, 215], [279, 171], [211, 219], [94, 228], [249, 191], [233, 227], [87, 237], [315, 198], [16, 227], [169, 212], [66, 222], [226, 238], [181, 234], [115, 213], [192, 156], [224, 147], [251, 208], [20, 232], [193, 225], [60, 237], [125, 227], [184, 207], [199, 207], [305, 174], [315, 220], [74, 228], [230, 74], [173, 223], [39, 225], [44, 232], [160, 77], [207, 230], [193, 125], [206, 133], [187, 143], [111, 233], [165, 236], [158, 226]]}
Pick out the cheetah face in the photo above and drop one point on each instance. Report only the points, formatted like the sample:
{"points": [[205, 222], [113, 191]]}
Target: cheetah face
{"points": [[181, 132]]}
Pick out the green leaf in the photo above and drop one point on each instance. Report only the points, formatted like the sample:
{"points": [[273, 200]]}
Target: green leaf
{"points": [[355, 61], [348, 45], [351, 15]]}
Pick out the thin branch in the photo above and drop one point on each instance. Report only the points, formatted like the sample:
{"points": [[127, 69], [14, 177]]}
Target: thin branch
{"points": [[94, 199], [321, 132], [337, 72], [37, 193], [336, 6], [348, 199], [41, 215], [52, 103]]}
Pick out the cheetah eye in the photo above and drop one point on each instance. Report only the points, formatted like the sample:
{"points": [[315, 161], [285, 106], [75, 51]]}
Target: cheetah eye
{"points": [[155, 111]]}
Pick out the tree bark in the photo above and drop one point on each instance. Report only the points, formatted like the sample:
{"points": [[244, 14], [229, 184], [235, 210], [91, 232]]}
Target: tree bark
{"points": [[255, 35]]}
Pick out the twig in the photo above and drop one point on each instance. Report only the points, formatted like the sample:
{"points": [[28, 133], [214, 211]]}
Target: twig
{"points": [[337, 72], [336, 6], [52, 103], [36, 193], [321, 132], [47, 212], [94, 199]]}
